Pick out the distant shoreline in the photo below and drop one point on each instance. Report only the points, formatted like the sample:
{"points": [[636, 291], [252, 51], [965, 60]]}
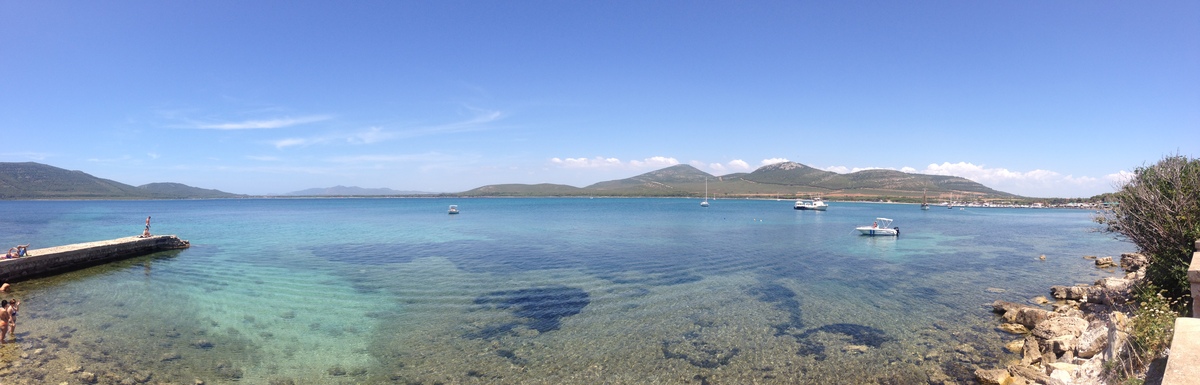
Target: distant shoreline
{"points": [[877, 200]]}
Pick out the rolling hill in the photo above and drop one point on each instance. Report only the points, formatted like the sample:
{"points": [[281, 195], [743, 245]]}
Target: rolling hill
{"points": [[30, 180], [787, 179]]}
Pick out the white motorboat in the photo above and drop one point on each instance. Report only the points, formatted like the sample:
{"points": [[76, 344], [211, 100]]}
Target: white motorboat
{"points": [[705, 202], [811, 204], [880, 227], [453, 209]]}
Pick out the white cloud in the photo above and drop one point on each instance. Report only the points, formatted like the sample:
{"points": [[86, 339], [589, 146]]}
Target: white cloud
{"points": [[1119, 178], [261, 124], [602, 162], [847, 170], [730, 166], [985, 175], [1035, 183], [773, 161], [655, 162]]}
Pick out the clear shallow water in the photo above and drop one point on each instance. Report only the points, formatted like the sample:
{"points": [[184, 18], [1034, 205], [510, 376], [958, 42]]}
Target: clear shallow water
{"points": [[536, 291]]}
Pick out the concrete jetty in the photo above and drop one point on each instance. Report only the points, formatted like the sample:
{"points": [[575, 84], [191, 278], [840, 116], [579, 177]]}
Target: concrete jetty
{"points": [[58, 259]]}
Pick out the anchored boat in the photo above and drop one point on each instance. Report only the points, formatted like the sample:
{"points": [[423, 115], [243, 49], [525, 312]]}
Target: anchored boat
{"points": [[811, 204], [880, 227]]}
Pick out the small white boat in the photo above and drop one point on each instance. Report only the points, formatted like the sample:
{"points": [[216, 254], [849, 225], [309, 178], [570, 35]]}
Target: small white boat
{"points": [[453, 209], [811, 204], [880, 227], [705, 202]]}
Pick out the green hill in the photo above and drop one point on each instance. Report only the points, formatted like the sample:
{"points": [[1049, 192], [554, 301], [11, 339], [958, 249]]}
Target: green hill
{"points": [[182, 191], [787, 179], [31, 180], [667, 181]]}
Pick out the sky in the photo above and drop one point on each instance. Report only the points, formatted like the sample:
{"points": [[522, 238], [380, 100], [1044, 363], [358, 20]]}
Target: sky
{"points": [[1037, 98]]}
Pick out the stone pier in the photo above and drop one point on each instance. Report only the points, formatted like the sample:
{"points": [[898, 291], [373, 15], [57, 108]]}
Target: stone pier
{"points": [[58, 259], [1183, 365]]}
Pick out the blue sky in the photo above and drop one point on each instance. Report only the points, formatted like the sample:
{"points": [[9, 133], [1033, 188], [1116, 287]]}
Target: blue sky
{"points": [[1039, 98]]}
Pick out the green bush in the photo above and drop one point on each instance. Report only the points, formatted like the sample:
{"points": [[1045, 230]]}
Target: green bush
{"points": [[1159, 211], [1150, 329]]}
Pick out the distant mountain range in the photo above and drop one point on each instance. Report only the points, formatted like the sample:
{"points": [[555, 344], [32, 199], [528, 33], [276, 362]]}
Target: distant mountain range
{"points": [[783, 180], [31, 180], [787, 179], [353, 191]]}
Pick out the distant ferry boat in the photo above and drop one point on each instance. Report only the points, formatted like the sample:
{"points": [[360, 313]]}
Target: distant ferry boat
{"points": [[811, 204]]}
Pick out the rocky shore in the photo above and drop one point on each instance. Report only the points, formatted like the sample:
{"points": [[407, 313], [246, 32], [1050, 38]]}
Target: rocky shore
{"points": [[1069, 340]]}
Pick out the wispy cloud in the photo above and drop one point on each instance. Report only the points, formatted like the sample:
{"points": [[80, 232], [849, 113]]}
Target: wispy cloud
{"points": [[602, 162], [263, 158], [261, 124], [296, 142], [376, 134], [122, 158], [392, 158]]}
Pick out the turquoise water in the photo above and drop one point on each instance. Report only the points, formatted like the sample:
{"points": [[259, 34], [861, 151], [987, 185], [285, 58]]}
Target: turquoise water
{"points": [[329, 291]]}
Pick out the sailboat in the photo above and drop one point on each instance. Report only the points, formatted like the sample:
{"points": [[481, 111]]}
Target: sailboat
{"points": [[705, 202], [924, 201]]}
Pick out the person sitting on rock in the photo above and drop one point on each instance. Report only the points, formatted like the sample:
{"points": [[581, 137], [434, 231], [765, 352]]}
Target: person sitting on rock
{"points": [[23, 250], [12, 253]]}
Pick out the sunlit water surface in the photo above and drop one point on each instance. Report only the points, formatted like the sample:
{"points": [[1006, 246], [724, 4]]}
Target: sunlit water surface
{"points": [[554, 291]]}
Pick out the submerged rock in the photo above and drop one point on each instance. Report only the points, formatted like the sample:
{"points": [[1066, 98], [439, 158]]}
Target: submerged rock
{"points": [[1016, 346], [540, 308], [993, 376], [1069, 292], [1030, 317], [1013, 328]]}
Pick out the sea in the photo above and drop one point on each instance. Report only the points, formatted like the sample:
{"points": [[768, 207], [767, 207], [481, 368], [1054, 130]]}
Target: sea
{"points": [[535, 291]]}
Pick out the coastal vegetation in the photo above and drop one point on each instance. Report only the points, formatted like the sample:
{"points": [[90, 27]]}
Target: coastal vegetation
{"points": [[1159, 211]]}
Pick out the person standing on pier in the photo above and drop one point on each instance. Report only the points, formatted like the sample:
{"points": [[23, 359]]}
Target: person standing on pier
{"points": [[146, 232]]}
